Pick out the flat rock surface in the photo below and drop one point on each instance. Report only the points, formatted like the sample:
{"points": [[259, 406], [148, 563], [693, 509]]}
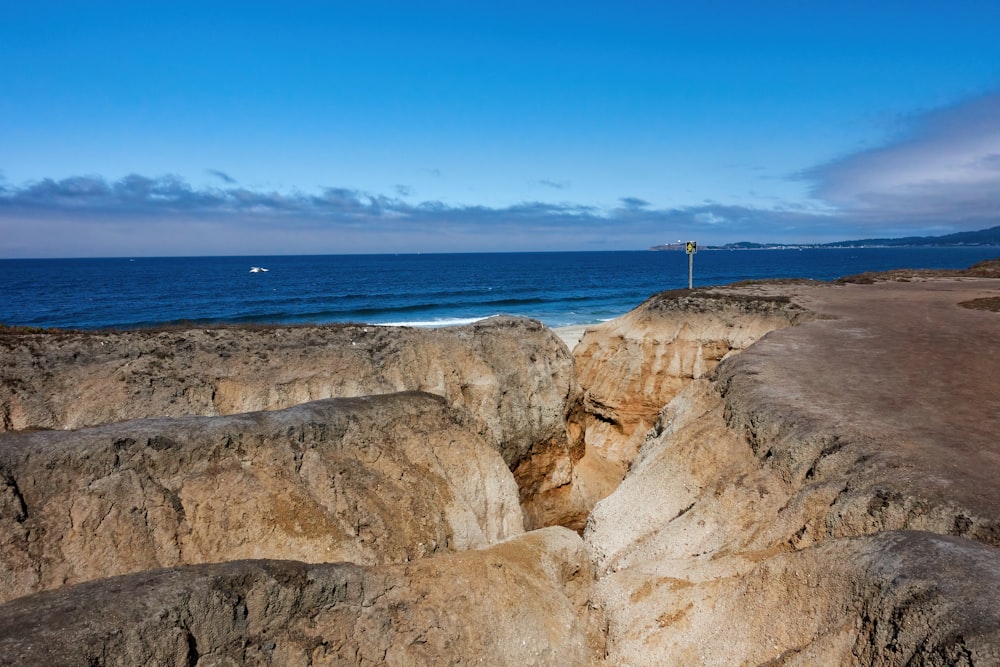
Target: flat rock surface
{"points": [[900, 366]]}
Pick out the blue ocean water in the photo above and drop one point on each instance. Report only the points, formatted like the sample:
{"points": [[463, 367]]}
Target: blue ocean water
{"points": [[559, 289]]}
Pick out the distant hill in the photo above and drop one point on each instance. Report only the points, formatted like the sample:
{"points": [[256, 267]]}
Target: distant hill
{"points": [[988, 237]]}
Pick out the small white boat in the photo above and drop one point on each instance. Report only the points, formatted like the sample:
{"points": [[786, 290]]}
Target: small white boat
{"points": [[258, 269]]}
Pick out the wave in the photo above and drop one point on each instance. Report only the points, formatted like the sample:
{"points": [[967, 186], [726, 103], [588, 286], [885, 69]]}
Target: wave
{"points": [[441, 322], [277, 312]]}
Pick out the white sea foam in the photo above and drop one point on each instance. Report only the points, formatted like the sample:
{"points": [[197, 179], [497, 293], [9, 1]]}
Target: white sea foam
{"points": [[442, 322]]}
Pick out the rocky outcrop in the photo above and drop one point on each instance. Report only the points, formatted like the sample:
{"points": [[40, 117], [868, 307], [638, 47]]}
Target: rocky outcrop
{"points": [[632, 366], [380, 479], [828, 491], [814, 494], [523, 602], [512, 376]]}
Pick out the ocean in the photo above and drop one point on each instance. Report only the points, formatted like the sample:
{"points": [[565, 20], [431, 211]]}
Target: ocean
{"points": [[560, 289]]}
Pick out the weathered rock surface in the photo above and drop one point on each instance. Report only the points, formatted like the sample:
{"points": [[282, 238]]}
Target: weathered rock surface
{"points": [[895, 598], [513, 376], [632, 366], [830, 492], [523, 602], [814, 494], [899, 393], [380, 479]]}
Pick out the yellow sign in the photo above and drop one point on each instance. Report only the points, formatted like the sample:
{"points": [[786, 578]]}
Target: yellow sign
{"points": [[692, 247]]}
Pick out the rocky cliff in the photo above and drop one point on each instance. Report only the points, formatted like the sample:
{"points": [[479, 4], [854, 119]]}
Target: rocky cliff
{"points": [[380, 479], [830, 491], [791, 474], [512, 377], [632, 366]]}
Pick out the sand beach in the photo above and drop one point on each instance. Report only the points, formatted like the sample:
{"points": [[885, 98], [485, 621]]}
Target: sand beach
{"points": [[571, 335]]}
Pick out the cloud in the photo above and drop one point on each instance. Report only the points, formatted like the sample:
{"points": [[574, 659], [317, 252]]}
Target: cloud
{"points": [[943, 169], [135, 215], [941, 175], [633, 203], [555, 185], [222, 176], [170, 195], [93, 194], [710, 218], [990, 162]]}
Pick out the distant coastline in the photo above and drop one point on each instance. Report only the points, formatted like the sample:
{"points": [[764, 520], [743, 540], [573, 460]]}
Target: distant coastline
{"points": [[979, 238]]}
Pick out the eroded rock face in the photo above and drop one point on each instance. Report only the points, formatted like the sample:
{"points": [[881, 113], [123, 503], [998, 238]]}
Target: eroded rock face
{"points": [[632, 366], [801, 495], [894, 598], [380, 479], [512, 376], [523, 602], [826, 496]]}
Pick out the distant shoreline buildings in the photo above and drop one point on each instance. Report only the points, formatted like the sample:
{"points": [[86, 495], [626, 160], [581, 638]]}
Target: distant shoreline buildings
{"points": [[982, 237]]}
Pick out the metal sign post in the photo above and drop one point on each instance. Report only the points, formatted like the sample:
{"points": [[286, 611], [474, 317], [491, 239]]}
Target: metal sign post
{"points": [[692, 248]]}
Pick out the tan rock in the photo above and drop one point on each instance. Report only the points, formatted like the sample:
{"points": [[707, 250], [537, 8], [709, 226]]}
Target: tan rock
{"points": [[826, 496], [513, 376], [895, 598], [632, 366], [382, 479], [523, 602], [797, 496]]}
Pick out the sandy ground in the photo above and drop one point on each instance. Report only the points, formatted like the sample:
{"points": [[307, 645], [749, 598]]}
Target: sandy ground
{"points": [[572, 335]]}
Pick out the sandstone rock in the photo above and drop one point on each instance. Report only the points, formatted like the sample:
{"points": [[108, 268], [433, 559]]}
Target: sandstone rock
{"points": [[891, 404], [513, 376], [826, 496], [523, 602], [630, 367], [895, 598], [784, 494], [382, 479]]}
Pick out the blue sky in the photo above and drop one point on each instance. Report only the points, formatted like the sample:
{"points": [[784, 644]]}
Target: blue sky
{"points": [[177, 128]]}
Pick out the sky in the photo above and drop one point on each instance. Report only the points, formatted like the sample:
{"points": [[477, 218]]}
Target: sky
{"points": [[259, 128]]}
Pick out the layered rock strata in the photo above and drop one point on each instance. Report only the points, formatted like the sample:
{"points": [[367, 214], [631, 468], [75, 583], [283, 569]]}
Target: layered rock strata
{"points": [[523, 602], [380, 479], [632, 366], [830, 492], [513, 378]]}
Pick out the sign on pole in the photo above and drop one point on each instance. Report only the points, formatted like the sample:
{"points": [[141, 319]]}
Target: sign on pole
{"points": [[692, 248]]}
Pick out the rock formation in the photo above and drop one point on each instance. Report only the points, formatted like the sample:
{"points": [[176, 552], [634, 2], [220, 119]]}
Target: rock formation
{"points": [[380, 479], [523, 602], [634, 365], [830, 491], [791, 473], [512, 376]]}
